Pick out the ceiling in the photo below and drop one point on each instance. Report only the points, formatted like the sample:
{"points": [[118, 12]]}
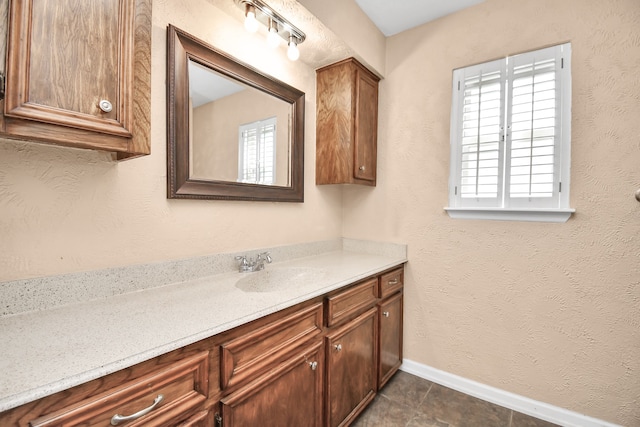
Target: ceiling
{"points": [[393, 17]]}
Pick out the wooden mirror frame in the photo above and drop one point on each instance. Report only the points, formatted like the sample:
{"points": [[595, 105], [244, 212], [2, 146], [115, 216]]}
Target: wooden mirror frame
{"points": [[182, 47]]}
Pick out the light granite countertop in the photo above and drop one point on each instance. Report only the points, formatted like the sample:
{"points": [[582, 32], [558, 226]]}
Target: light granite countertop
{"points": [[56, 348]]}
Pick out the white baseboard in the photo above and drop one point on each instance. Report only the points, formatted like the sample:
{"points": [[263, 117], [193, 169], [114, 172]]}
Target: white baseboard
{"points": [[544, 411]]}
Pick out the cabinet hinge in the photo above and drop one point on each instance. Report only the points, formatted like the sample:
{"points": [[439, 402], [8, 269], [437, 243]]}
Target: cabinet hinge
{"points": [[455, 190], [1, 86], [458, 84], [560, 187], [218, 419], [561, 62]]}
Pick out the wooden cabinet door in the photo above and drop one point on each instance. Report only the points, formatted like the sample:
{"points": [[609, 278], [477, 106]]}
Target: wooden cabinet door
{"points": [[351, 368], [366, 127], [346, 124], [390, 356], [289, 395], [71, 68]]}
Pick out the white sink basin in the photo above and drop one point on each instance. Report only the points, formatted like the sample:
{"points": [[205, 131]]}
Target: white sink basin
{"points": [[279, 279]]}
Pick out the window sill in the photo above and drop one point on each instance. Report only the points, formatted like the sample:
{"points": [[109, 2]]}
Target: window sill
{"points": [[536, 215]]}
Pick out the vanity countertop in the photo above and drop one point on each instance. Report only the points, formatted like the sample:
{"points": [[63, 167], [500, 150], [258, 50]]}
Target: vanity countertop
{"points": [[47, 351]]}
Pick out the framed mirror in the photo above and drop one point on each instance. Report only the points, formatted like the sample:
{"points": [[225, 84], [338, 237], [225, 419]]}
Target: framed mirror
{"points": [[233, 133]]}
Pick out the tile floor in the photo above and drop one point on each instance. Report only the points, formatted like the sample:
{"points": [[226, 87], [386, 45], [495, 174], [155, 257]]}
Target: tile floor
{"points": [[410, 401]]}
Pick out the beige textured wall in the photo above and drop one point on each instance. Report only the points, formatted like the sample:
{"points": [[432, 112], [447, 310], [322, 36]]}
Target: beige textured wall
{"points": [[64, 210], [351, 24], [548, 311]]}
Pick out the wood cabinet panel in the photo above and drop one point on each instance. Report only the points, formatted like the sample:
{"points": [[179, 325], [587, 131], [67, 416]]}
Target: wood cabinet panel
{"points": [[201, 419], [66, 59], [177, 389], [365, 127], [346, 124], [390, 352], [346, 304], [391, 282], [351, 368], [289, 395], [252, 353]]}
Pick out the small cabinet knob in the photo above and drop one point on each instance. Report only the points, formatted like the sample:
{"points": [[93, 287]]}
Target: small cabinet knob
{"points": [[313, 365], [338, 347], [638, 194], [362, 168], [385, 313], [105, 106]]}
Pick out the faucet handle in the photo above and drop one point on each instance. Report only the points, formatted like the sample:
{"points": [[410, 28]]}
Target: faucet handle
{"points": [[243, 260], [266, 256]]}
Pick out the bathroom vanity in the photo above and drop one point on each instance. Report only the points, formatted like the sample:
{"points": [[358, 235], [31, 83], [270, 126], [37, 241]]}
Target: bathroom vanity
{"points": [[304, 342]]}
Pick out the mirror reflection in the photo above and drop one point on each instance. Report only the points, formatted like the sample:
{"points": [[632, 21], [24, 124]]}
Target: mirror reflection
{"points": [[237, 133], [233, 133]]}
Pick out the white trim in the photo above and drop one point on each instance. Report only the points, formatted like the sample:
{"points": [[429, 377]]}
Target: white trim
{"points": [[525, 405], [504, 214]]}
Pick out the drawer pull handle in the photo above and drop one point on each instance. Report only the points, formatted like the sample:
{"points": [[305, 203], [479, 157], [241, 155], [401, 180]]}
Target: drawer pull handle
{"points": [[313, 365], [117, 418], [385, 313], [338, 347], [393, 282]]}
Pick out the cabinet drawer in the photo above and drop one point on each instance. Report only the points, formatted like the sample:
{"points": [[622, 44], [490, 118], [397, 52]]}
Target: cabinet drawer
{"points": [[246, 357], [347, 304], [183, 386], [391, 282]]}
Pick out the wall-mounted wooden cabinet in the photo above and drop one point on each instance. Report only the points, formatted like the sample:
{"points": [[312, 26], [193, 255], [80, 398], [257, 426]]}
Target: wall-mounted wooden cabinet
{"points": [[346, 124], [318, 363], [78, 74]]}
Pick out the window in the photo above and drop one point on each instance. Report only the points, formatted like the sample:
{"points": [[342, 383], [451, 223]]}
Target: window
{"points": [[257, 153], [511, 138]]}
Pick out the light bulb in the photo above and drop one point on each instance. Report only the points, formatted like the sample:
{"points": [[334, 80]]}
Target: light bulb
{"points": [[250, 21], [273, 39], [293, 53]]}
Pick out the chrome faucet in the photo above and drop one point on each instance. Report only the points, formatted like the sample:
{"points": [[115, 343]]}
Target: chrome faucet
{"points": [[249, 265]]}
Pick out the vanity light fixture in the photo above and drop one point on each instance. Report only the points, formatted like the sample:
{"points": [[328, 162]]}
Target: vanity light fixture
{"points": [[273, 39], [250, 21], [277, 26], [293, 52]]}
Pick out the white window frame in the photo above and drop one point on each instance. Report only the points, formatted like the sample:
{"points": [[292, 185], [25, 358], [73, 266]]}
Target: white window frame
{"points": [[499, 205], [262, 160]]}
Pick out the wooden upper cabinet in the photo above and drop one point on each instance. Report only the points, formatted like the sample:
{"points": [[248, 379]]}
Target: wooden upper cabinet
{"points": [[78, 74], [347, 124]]}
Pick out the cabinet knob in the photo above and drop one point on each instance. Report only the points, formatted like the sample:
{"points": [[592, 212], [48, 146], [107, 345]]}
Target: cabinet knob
{"points": [[362, 168], [105, 106], [338, 347], [313, 365], [385, 313], [638, 194]]}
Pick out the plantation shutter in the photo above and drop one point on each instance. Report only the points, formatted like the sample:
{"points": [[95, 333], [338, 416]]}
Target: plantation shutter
{"points": [[479, 133], [533, 128], [256, 162]]}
